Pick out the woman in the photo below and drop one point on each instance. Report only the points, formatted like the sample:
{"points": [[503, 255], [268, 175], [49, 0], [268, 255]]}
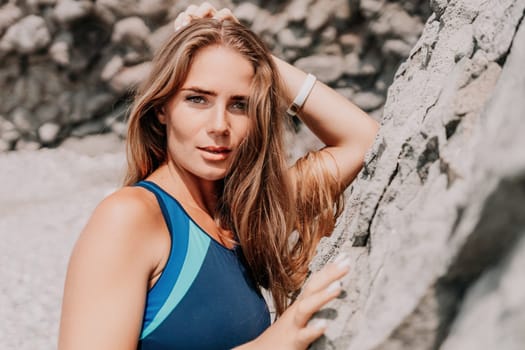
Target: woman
{"points": [[177, 257]]}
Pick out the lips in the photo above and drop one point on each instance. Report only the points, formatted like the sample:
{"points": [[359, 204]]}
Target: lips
{"points": [[216, 150]]}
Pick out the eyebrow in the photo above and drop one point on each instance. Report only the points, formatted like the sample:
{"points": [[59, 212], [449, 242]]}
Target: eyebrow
{"points": [[212, 93]]}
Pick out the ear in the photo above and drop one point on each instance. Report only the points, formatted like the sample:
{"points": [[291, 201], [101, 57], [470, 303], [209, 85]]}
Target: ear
{"points": [[161, 115]]}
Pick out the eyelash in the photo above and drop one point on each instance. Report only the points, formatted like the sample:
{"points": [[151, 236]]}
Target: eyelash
{"points": [[242, 105], [197, 99]]}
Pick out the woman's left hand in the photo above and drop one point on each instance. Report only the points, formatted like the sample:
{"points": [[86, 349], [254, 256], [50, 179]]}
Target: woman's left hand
{"points": [[205, 10], [293, 330]]}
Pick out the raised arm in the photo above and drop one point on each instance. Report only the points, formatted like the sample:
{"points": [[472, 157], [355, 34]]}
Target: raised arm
{"points": [[107, 277], [346, 130]]}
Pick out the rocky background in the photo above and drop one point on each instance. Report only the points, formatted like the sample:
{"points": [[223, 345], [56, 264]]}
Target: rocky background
{"points": [[434, 222], [67, 68]]}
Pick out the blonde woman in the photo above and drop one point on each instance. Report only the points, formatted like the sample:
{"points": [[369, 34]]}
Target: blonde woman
{"points": [[176, 258]]}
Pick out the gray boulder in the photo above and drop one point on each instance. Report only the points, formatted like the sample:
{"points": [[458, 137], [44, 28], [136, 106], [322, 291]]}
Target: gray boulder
{"points": [[434, 221], [9, 14], [26, 36], [327, 68], [68, 10]]}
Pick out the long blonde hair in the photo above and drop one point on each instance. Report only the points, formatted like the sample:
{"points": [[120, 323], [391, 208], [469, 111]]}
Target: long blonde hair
{"points": [[259, 200]]}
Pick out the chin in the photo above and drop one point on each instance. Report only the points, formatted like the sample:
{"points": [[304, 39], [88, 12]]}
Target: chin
{"points": [[213, 175]]}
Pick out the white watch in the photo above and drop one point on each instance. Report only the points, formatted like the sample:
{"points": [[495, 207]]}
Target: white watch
{"points": [[301, 97]]}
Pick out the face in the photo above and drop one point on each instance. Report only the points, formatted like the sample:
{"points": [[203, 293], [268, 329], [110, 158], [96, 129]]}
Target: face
{"points": [[207, 119]]}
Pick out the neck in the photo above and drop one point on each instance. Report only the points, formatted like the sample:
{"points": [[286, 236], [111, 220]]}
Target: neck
{"points": [[194, 191]]}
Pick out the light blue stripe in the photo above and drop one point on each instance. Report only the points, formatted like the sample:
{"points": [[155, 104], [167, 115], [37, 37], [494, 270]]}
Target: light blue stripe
{"points": [[198, 244]]}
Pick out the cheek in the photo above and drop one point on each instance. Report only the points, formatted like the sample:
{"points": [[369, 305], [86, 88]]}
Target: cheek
{"points": [[183, 129], [247, 128]]}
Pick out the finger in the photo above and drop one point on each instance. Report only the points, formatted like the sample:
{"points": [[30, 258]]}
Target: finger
{"points": [[306, 307], [192, 10], [328, 274], [182, 20], [205, 10], [225, 14], [310, 333], [177, 23]]}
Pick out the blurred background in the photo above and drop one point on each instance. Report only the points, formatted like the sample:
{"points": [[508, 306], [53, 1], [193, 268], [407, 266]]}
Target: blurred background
{"points": [[67, 73], [68, 68]]}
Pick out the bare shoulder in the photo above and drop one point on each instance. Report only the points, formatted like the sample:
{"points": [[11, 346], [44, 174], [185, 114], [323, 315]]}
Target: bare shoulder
{"points": [[123, 221], [132, 209], [108, 273]]}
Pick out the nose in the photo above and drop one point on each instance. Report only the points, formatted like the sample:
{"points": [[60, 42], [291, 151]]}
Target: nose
{"points": [[219, 123]]}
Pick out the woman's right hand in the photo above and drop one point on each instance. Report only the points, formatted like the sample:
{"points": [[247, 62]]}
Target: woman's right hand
{"points": [[292, 331], [205, 10]]}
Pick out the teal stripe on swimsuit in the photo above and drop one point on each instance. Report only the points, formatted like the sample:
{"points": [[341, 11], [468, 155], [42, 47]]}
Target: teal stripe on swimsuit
{"points": [[197, 247], [205, 298]]}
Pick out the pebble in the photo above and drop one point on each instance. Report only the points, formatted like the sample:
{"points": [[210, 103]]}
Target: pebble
{"points": [[48, 132]]}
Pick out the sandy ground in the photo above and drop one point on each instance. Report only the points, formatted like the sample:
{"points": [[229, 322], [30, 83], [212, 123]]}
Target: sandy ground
{"points": [[46, 197]]}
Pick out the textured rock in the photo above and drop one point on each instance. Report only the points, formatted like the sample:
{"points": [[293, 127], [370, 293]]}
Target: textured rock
{"points": [[9, 14], [132, 29], [153, 8], [69, 51], [4, 145], [48, 132], [246, 12], [495, 300], [395, 21], [396, 47], [22, 120], [112, 67], [434, 218], [69, 10], [322, 11], [368, 101], [287, 38], [370, 8], [355, 66], [27, 145], [122, 8], [129, 77], [159, 36], [8, 131], [59, 52], [326, 68], [26, 36]]}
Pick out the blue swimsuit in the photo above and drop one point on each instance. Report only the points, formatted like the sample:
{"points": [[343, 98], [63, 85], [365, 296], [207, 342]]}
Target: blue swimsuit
{"points": [[205, 298]]}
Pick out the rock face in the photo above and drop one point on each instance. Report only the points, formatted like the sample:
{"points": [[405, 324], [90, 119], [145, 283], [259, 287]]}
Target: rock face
{"points": [[434, 222], [74, 64]]}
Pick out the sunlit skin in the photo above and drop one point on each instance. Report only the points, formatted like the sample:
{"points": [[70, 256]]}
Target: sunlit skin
{"points": [[207, 120]]}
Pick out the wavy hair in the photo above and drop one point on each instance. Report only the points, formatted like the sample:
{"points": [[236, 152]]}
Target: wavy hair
{"points": [[261, 201]]}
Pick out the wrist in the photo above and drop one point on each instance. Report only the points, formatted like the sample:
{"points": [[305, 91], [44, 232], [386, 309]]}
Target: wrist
{"points": [[299, 100]]}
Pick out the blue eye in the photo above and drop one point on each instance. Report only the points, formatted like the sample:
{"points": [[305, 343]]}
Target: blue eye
{"points": [[196, 99], [239, 105]]}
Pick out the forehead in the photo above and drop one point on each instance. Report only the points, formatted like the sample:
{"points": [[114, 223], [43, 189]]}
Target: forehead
{"points": [[221, 69]]}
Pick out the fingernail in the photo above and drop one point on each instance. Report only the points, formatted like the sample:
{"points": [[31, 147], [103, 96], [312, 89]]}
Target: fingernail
{"points": [[334, 286], [177, 28], [185, 22], [319, 324]]}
